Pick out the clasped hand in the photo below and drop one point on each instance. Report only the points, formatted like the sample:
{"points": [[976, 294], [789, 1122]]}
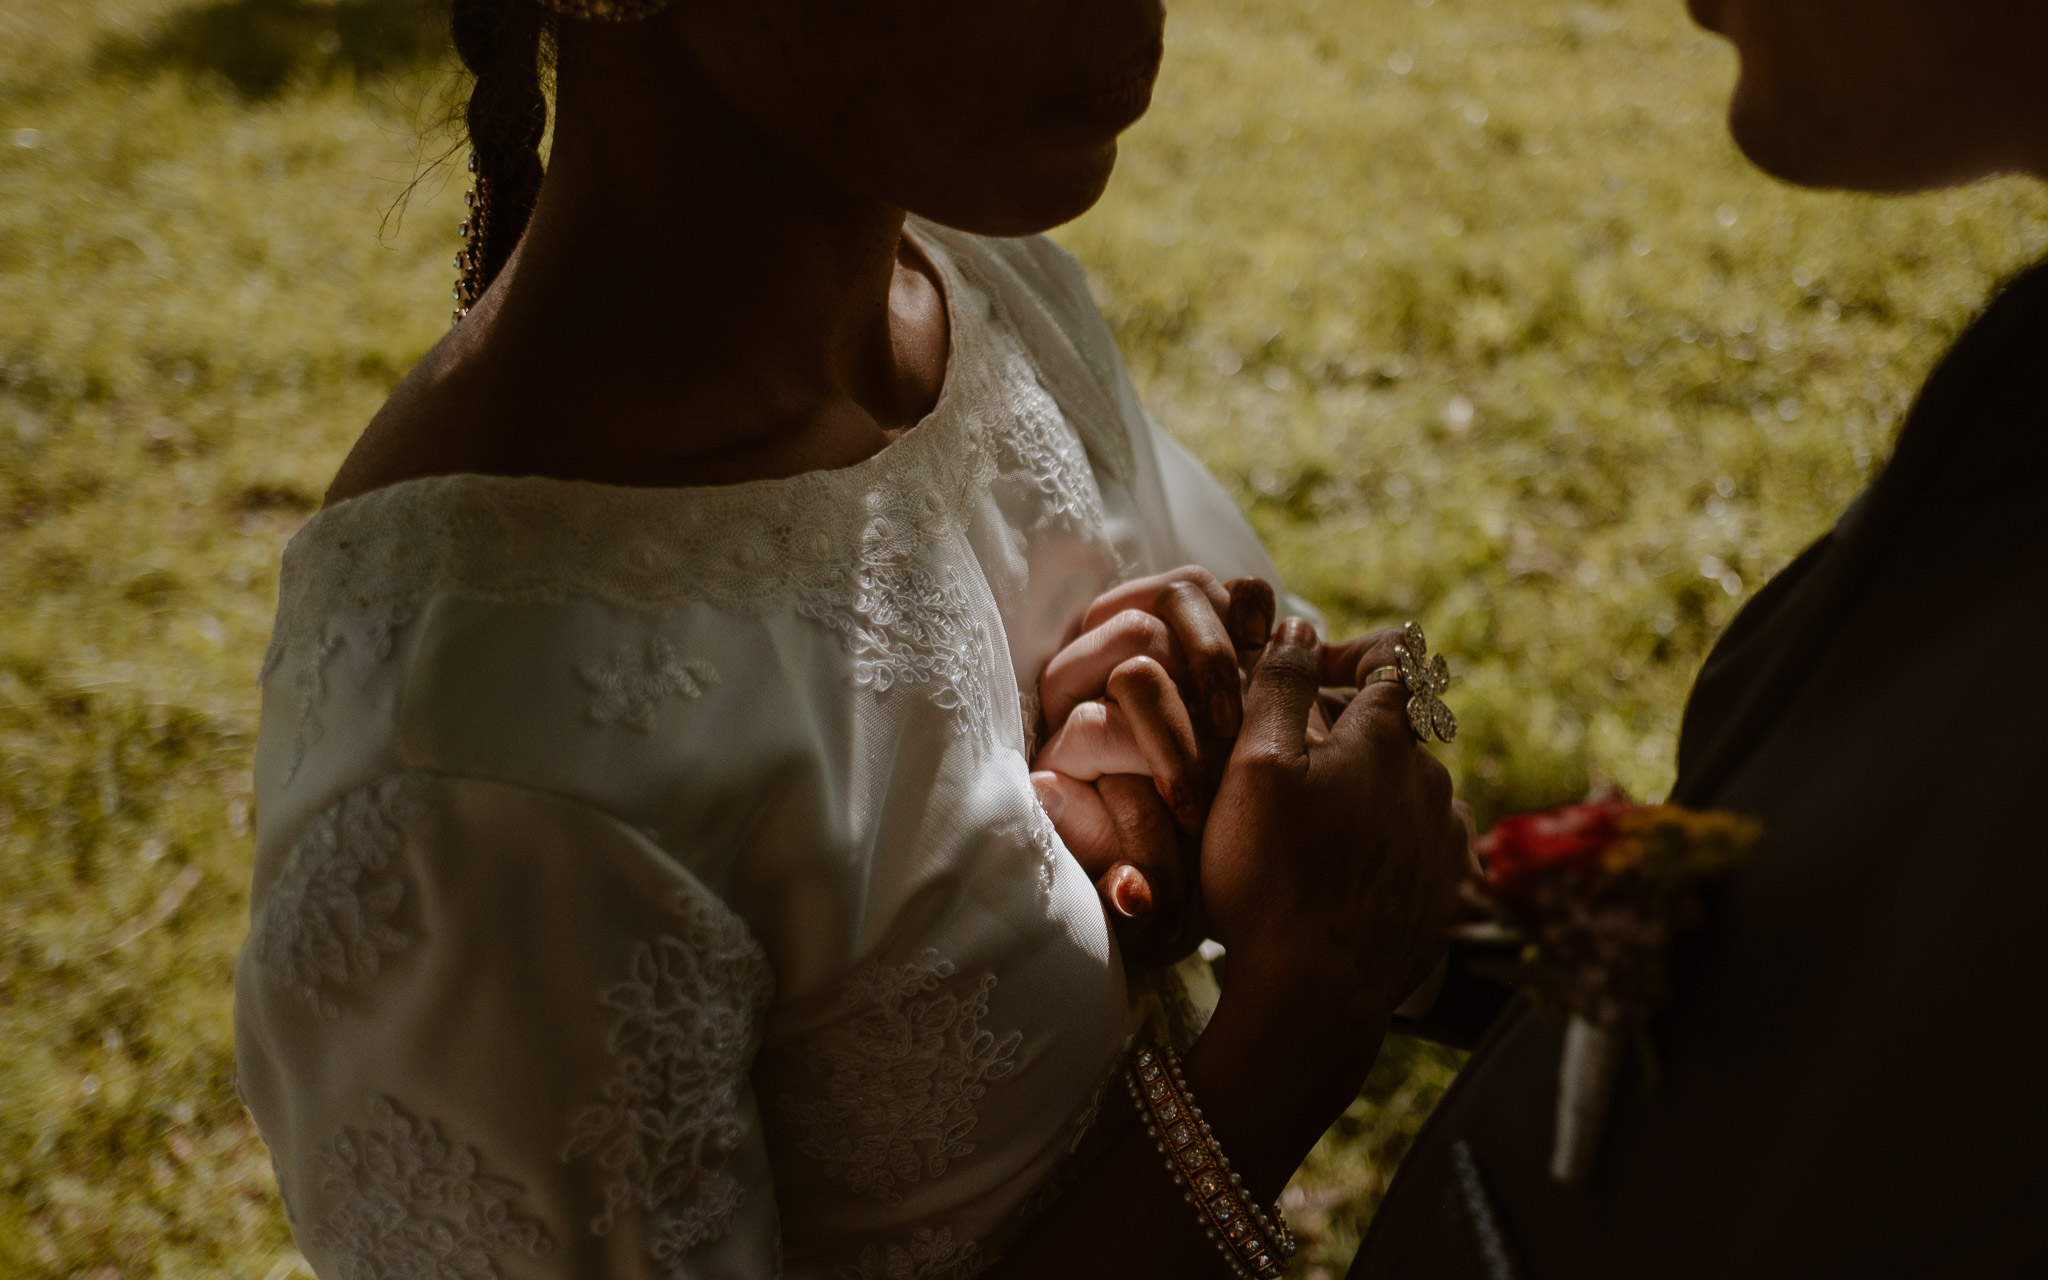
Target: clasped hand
{"points": [[1218, 777]]}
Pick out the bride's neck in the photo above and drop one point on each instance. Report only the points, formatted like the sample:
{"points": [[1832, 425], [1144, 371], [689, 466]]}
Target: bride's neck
{"points": [[688, 295]]}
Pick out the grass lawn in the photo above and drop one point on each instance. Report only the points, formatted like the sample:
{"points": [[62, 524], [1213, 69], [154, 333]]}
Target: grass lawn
{"points": [[1470, 300]]}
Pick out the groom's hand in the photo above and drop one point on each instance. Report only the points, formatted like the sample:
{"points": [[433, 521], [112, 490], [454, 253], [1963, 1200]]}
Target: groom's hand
{"points": [[1330, 865]]}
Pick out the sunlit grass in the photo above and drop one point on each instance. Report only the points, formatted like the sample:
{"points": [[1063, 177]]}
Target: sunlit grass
{"points": [[1470, 300]]}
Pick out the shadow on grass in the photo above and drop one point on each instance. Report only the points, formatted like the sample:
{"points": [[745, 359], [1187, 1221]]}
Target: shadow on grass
{"points": [[260, 46]]}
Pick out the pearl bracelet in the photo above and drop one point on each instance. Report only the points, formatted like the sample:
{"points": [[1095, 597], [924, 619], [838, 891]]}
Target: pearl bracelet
{"points": [[1255, 1246]]}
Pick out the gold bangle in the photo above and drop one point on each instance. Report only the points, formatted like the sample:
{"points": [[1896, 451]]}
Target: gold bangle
{"points": [[1255, 1246]]}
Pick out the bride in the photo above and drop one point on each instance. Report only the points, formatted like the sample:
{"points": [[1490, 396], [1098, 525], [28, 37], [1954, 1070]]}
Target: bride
{"points": [[651, 879]]}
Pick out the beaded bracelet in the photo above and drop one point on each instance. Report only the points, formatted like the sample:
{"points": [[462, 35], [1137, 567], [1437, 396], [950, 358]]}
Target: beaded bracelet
{"points": [[1256, 1247]]}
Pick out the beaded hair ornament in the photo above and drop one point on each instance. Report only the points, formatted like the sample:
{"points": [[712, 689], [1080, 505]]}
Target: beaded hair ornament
{"points": [[469, 264]]}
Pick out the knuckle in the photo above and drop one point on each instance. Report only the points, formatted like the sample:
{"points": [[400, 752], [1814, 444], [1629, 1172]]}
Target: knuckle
{"points": [[1384, 708], [1195, 584], [1436, 783], [1140, 626], [1288, 663], [1263, 762]]}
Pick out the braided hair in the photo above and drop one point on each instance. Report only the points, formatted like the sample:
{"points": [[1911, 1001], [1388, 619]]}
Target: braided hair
{"points": [[502, 43]]}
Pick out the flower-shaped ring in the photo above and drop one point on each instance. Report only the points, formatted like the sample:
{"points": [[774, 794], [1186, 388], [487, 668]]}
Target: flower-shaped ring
{"points": [[1425, 676]]}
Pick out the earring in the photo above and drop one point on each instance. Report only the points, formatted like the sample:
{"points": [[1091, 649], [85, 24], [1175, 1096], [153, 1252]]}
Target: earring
{"points": [[607, 10], [475, 231]]}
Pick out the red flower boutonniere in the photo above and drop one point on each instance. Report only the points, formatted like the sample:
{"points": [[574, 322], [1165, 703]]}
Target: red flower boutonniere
{"points": [[1592, 896]]}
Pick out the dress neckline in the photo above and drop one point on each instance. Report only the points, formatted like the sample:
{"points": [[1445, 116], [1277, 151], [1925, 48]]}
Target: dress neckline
{"points": [[817, 538], [963, 342]]}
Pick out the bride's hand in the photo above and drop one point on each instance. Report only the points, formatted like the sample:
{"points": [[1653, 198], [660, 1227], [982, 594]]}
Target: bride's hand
{"points": [[1193, 626], [1107, 779], [1144, 868], [1126, 772], [1115, 699]]}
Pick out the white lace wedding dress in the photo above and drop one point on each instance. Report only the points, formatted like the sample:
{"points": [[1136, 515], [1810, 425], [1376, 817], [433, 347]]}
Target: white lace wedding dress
{"points": [[648, 880]]}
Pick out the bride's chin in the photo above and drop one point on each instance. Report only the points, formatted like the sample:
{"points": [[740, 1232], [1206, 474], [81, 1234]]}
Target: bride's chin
{"points": [[1763, 136], [1039, 189], [1784, 136], [1808, 144]]}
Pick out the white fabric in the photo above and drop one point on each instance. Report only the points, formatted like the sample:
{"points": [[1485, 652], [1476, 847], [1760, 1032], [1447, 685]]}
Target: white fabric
{"points": [[649, 883]]}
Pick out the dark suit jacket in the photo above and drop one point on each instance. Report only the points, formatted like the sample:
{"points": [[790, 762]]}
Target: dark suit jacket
{"points": [[1856, 1068]]}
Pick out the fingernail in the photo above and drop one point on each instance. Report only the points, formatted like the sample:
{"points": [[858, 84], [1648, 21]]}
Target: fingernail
{"points": [[1296, 631], [1189, 810], [1050, 798], [1129, 892], [1257, 630]]}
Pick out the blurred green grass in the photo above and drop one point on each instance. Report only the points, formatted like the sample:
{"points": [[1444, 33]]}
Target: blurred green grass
{"points": [[1469, 300]]}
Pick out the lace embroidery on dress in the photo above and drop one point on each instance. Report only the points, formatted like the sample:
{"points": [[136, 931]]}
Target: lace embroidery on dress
{"points": [[1042, 449], [628, 686], [1036, 830], [1109, 446], [911, 623], [683, 1036], [417, 1206], [311, 687], [931, 1253], [859, 549], [904, 1081], [327, 921]]}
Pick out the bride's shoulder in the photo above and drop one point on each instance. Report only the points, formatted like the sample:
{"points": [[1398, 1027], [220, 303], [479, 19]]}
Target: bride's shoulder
{"points": [[523, 629], [443, 418]]}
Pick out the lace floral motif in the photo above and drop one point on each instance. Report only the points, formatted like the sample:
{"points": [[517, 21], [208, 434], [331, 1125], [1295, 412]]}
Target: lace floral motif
{"points": [[328, 918], [986, 265], [1036, 830], [311, 687], [311, 682], [630, 684], [931, 1253], [683, 1036], [1043, 450], [416, 1207], [903, 1081], [910, 623], [861, 550]]}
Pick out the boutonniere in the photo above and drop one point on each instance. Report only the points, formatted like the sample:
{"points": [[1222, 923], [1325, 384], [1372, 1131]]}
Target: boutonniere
{"points": [[1591, 897]]}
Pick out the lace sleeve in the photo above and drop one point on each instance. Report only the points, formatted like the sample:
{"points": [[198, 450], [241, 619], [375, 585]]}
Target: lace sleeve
{"points": [[488, 1031]]}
